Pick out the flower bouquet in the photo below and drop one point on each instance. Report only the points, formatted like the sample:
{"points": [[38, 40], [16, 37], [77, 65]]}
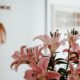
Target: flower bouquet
{"points": [[43, 67]]}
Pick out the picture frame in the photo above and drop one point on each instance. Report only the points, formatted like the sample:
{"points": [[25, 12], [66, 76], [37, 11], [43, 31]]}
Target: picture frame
{"points": [[62, 16]]}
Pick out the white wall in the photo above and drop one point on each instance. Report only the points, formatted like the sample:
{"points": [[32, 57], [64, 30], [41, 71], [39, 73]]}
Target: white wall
{"points": [[22, 22]]}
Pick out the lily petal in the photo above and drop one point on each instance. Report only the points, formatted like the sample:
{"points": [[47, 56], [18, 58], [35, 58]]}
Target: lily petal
{"points": [[43, 63], [30, 75], [44, 38], [53, 75], [71, 68]]}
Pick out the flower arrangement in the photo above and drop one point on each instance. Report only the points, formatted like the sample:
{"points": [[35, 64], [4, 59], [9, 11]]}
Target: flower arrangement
{"points": [[43, 67]]}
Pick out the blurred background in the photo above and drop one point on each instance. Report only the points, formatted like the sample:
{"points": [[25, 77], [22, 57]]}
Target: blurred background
{"points": [[23, 21]]}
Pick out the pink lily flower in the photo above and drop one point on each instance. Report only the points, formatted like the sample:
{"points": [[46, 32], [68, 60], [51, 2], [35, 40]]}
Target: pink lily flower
{"points": [[27, 54], [73, 37], [73, 52], [36, 51], [51, 42], [41, 72], [30, 75], [17, 56]]}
